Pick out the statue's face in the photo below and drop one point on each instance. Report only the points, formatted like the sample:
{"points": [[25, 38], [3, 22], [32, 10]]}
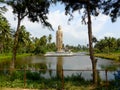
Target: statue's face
{"points": [[59, 27]]}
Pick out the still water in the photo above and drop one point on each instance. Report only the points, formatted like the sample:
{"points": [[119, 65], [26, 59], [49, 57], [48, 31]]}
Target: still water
{"points": [[77, 62]]}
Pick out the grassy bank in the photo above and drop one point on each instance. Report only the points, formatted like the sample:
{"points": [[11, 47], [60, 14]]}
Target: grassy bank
{"points": [[111, 56], [34, 81], [8, 56], [72, 88]]}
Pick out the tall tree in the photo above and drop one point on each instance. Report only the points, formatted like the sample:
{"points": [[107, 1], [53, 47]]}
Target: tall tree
{"points": [[49, 38], [23, 39], [118, 44], [94, 40], [43, 40], [19, 8], [35, 10], [111, 43], [5, 33], [100, 45], [107, 44], [40, 45], [90, 7]]}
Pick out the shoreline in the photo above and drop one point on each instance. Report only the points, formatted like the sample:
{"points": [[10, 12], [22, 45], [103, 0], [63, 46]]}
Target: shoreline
{"points": [[112, 56]]}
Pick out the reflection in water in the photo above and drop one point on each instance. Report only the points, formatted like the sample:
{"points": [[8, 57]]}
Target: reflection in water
{"points": [[79, 62], [59, 70]]}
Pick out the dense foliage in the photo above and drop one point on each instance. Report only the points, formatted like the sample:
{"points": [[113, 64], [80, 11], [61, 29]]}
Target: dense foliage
{"points": [[35, 80], [28, 44], [108, 44], [111, 8], [5, 35]]}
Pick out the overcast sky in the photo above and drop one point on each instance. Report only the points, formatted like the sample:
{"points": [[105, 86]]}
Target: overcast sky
{"points": [[74, 33]]}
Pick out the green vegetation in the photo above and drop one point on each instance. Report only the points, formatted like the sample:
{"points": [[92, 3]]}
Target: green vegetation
{"points": [[34, 80], [108, 45], [7, 57], [108, 48], [111, 56], [3, 56]]}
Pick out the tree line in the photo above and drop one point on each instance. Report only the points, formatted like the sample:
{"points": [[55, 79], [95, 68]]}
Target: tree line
{"points": [[107, 44], [26, 43]]}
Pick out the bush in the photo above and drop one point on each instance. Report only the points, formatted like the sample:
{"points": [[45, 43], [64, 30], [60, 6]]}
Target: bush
{"points": [[117, 79], [17, 75], [32, 75]]}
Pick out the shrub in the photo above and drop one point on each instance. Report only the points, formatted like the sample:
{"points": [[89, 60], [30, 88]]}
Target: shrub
{"points": [[32, 75], [117, 79], [17, 75]]}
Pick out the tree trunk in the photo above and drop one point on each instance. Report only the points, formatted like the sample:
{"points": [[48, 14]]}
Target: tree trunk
{"points": [[91, 51], [15, 44]]}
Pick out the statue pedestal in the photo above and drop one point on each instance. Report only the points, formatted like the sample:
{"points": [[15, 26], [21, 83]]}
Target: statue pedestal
{"points": [[62, 53]]}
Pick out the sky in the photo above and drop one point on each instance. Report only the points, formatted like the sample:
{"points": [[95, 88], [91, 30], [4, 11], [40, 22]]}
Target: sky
{"points": [[74, 32]]}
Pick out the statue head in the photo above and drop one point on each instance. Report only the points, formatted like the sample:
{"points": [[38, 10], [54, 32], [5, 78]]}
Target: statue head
{"points": [[59, 27]]}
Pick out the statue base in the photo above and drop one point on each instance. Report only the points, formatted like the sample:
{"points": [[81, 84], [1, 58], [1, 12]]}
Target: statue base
{"points": [[59, 53]]}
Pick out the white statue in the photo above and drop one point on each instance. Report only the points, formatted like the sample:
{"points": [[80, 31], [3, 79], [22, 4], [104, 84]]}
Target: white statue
{"points": [[59, 39]]}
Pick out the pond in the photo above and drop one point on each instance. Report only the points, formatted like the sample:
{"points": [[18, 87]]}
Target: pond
{"points": [[71, 65]]}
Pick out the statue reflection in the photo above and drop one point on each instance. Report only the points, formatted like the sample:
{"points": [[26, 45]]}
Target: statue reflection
{"points": [[59, 68], [59, 72]]}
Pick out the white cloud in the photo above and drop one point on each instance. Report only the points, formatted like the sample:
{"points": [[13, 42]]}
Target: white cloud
{"points": [[11, 18], [98, 23], [74, 33]]}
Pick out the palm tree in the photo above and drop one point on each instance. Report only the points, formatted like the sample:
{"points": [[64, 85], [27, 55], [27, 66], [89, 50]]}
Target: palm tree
{"points": [[4, 32], [94, 40], [49, 38], [43, 40], [23, 39], [110, 43], [118, 43]]}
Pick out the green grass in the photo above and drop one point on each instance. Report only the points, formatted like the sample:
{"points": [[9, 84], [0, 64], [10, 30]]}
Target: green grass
{"points": [[111, 56], [3, 56], [16, 80], [34, 81], [8, 56]]}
